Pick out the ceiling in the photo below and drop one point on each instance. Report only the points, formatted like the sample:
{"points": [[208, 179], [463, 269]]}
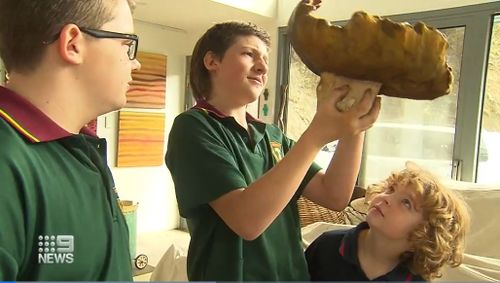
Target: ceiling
{"points": [[192, 16]]}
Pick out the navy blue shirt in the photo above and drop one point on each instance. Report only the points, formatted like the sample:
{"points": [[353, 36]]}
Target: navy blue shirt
{"points": [[333, 256]]}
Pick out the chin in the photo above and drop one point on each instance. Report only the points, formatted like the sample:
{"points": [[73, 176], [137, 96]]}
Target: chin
{"points": [[120, 106], [249, 98], [253, 99], [255, 95], [116, 105], [122, 99], [372, 219]]}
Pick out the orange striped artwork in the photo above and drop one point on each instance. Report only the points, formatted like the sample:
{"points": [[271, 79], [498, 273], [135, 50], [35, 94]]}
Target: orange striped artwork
{"points": [[147, 89], [140, 139]]}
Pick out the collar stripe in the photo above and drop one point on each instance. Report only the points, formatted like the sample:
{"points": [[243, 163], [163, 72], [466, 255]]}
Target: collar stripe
{"points": [[18, 127]]}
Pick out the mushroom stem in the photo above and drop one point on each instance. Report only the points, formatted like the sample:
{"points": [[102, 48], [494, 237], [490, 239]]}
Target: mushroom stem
{"points": [[357, 89]]}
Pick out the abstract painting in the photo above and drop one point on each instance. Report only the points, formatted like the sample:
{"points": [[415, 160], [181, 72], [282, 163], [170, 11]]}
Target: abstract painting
{"points": [[147, 89], [140, 139]]}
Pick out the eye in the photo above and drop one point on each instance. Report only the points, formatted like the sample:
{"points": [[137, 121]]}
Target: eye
{"points": [[248, 53], [407, 203]]}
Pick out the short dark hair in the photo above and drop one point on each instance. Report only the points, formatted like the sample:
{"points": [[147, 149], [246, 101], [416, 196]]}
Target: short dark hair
{"points": [[218, 39], [26, 24]]}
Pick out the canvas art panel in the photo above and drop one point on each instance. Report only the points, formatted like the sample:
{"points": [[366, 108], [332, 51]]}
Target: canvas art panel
{"points": [[147, 89], [140, 139]]}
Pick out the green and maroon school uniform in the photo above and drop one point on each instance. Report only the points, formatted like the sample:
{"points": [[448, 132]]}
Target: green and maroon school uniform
{"points": [[59, 216], [209, 155]]}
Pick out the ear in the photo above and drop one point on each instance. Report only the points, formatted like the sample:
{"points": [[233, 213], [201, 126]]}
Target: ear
{"points": [[211, 61], [71, 44]]}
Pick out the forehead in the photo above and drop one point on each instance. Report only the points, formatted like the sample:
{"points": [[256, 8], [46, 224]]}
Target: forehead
{"points": [[406, 187], [250, 41], [410, 190]]}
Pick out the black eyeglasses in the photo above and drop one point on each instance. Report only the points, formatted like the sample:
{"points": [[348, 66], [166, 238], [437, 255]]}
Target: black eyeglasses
{"points": [[132, 46], [97, 33]]}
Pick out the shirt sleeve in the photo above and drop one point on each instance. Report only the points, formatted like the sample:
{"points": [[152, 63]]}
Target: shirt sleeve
{"points": [[201, 163], [12, 223]]}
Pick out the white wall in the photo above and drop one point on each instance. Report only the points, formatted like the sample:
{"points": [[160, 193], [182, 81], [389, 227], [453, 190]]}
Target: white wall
{"points": [[335, 10], [265, 8], [152, 187]]}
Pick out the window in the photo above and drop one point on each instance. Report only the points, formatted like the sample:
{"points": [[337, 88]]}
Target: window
{"points": [[442, 135], [302, 105], [422, 131], [490, 127]]}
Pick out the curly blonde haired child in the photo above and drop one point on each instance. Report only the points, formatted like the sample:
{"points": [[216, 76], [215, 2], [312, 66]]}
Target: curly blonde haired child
{"points": [[414, 227], [440, 239]]}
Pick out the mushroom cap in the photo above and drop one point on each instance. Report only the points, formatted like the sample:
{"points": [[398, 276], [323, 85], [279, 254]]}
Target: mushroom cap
{"points": [[409, 61]]}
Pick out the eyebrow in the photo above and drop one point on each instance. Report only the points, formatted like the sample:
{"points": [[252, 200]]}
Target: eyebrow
{"points": [[255, 50]]}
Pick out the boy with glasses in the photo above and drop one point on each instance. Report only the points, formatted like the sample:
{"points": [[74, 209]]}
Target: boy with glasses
{"points": [[68, 61]]}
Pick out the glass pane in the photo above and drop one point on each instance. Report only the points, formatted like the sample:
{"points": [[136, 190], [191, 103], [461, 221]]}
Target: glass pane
{"points": [[421, 131], [302, 104], [489, 149]]}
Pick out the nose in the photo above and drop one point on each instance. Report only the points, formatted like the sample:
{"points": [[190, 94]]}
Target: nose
{"points": [[385, 199], [261, 66], [136, 65]]}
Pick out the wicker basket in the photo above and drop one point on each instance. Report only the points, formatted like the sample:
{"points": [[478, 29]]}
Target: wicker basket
{"points": [[309, 212]]}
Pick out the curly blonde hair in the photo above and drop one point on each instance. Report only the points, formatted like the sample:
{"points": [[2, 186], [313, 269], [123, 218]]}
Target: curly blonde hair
{"points": [[440, 239]]}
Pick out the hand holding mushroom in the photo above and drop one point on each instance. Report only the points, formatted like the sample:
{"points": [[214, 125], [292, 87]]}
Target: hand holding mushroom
{"points": [[372, 52]]}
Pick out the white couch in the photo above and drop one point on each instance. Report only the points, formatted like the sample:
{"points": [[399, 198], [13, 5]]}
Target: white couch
{"points": [[482, 259]]}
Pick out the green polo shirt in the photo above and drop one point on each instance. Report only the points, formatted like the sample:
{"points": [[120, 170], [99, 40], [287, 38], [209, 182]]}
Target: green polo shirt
{"points": [[59, 216], [210, 155]]}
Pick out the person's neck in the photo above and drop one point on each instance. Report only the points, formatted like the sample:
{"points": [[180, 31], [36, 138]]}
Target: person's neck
{"points": [[377, 254], [54, 95], [228, 108]]}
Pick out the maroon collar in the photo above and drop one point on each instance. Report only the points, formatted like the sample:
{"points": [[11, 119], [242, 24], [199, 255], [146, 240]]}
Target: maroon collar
{"points": [[28, 120], [204, 105]]}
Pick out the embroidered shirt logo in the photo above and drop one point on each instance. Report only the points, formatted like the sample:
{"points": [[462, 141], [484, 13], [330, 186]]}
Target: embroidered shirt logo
{"points": [[56, 249], [276, 151]]}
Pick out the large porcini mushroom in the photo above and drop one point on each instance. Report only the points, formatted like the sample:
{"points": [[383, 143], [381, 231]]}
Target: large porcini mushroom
{"points": [[403, 60]]}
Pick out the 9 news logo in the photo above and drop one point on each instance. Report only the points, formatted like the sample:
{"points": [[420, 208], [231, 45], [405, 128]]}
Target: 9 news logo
{"points": [[56, 249]]}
